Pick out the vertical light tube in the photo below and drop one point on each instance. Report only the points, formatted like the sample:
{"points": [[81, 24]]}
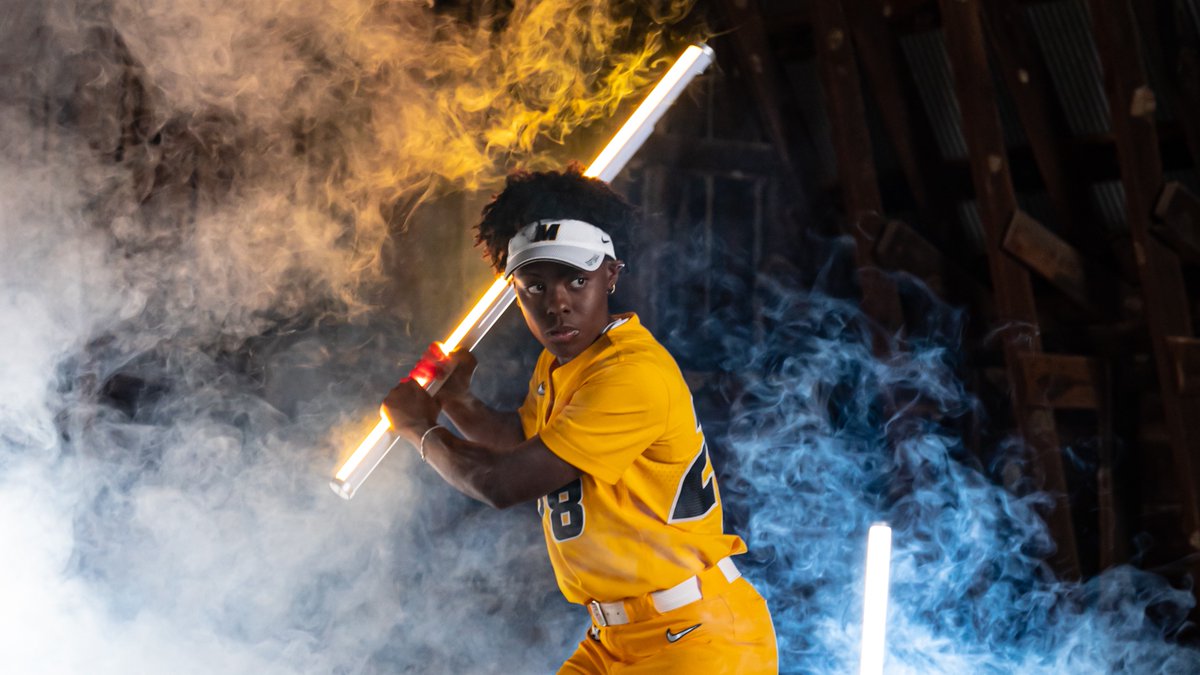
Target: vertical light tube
{"points": [[875, 599]]}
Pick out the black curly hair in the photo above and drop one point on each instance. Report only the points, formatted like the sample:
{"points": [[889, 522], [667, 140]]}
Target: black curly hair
{"points": [[530, 196]]}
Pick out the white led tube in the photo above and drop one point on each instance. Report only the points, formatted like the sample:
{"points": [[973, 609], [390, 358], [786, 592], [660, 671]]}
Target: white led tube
{"points": [[496, 300], [875, 599]]}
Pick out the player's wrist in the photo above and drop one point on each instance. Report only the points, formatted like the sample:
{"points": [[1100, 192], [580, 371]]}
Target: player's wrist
{"points": [[457, 406]]}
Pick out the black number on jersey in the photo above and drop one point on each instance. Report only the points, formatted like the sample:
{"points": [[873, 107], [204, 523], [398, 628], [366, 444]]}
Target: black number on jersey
{"points": [[695, 497], [566, 510]]}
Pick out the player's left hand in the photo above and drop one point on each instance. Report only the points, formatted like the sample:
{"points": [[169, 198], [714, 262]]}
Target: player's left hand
{"points": [[410, 408]]}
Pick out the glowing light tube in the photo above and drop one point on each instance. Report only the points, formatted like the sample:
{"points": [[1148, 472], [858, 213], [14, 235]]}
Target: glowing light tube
{"points": [[875, 599], [641, 123], [431, 370]]}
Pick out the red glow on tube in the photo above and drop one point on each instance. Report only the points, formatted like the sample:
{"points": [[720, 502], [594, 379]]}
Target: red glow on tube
{"points": [[430, 366]]}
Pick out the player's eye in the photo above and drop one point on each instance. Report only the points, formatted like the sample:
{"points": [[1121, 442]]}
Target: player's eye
{"points": [[535, 289], [578, 282]]}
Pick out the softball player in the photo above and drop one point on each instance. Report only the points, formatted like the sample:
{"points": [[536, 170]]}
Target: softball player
{"points": [[608, 444]]}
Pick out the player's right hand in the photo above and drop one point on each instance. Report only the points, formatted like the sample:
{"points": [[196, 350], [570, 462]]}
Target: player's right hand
{"points": [[458, 385], [409, 409]]}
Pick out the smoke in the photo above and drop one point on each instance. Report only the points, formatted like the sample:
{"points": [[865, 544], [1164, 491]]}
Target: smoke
{"points": [[825, 438], [198, 203]]}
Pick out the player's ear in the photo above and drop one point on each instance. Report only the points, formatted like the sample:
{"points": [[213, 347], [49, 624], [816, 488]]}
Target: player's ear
{"points": [[612, 270]]}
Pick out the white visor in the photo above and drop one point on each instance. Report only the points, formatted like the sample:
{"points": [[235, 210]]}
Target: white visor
{"points": [[572, 242]]}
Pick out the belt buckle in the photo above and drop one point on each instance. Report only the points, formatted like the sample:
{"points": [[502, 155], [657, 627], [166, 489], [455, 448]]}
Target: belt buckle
{"points": [[597, 613]]}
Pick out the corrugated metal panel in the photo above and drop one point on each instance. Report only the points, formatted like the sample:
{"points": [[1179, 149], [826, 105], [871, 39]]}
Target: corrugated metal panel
{"points": [[968, 214], [1109, 201], [926, 56], [810, 97], [1064, 31]]}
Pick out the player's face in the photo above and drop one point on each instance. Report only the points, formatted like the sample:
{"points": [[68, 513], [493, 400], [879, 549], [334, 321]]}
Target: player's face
{"points": [[565, 308]]}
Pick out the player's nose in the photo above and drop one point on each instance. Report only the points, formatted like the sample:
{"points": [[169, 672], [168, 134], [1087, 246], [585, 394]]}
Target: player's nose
{"points": [[558, 300]]}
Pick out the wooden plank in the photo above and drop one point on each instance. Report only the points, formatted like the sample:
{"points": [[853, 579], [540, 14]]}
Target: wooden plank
{"points": [[1058, 262], [900, 247], [1185, 351], [1062, 382], [1167, 312], [1020, 63], [855, 162], [962, 24], [907, 126], [1172, 49], [877, 49], [1179, 212], [764, 76]]}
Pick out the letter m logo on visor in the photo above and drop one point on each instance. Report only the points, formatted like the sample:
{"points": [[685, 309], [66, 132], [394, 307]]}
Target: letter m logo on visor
{"points": [[545, 232]]}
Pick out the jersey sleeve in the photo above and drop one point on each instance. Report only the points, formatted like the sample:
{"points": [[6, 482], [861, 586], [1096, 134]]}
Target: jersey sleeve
{"points": [[610, 420], [528, 411]]}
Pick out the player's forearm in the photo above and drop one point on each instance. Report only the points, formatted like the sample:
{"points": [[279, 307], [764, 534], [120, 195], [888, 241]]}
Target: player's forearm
{"points": [[481, 424], [469, 467]]}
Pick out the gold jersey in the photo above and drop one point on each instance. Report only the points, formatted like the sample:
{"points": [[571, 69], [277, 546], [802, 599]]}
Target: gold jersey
{"points": [[646, 513]]}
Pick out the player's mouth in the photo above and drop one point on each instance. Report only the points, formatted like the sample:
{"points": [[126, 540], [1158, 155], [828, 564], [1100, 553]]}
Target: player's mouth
{"points": [[562, 334]]}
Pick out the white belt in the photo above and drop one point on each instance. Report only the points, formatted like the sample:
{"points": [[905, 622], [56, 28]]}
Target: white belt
{"points": [[680, 595]]}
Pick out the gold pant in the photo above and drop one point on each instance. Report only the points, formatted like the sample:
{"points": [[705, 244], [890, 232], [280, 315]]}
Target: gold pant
{"points": [[728, 631]]}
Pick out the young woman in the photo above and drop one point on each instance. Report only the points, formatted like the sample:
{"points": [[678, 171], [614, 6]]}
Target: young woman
{"points": [[607, 442]]}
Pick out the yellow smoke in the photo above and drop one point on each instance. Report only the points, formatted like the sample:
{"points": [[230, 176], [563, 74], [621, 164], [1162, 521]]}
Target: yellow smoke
{"points": [[295, 135], [460, 101]]}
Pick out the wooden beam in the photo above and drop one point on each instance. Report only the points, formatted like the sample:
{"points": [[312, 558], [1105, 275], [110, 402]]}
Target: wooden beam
{"points": [[1090, 159], [1179, 213], [1171, 41], [1062, 382], [855, 161], [1186, 353], [1020, 63], [877, 49], [1131, 106], [962, 24], [764, 77], [908, 127], [1059, 263], [900, 247]]}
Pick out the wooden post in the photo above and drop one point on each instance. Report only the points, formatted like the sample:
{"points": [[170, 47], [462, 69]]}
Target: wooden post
{"points": [[907, 127], [1131, 104], [856, 165], [1172, 48], [1025, 75], [763, 76], [1179, 211], [963, 29]]}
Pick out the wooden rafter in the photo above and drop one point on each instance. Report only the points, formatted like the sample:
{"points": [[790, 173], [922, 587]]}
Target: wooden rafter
{"points": [[764, 77], [1131, 104], [1024, 72], [856, 164], [1174, 49], [963, 29], [907, 127]]}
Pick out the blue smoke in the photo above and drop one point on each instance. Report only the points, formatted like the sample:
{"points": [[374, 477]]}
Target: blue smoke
{"points": [[182, 366], [825, 438]]}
